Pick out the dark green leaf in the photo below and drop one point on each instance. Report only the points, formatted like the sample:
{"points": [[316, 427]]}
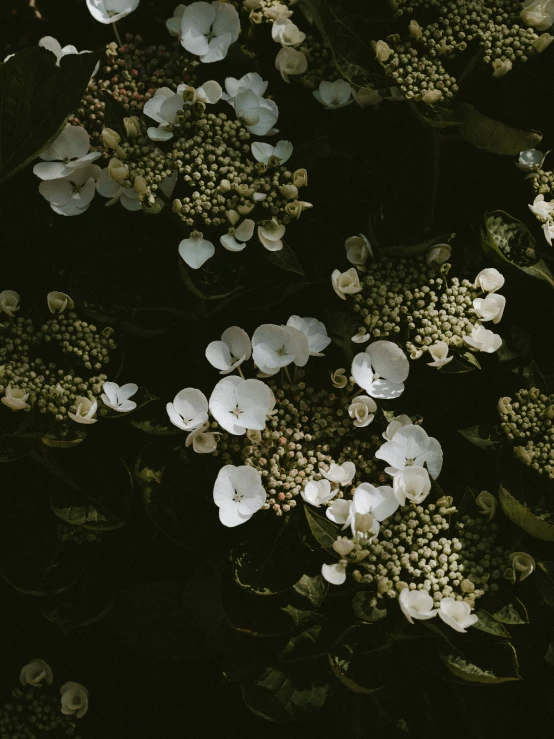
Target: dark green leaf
{"points": [[512, 614], [490, 665], [536, 523], [365, 609], [301, 646], [360, 659], [276, 696], [485, 437], [36, 96], [323, 531], [65, 435], [495, 137], [286, 259], [490, 625]]}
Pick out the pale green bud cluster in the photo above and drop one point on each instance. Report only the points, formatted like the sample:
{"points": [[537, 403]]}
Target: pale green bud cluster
{"points": [[511, 239], [414, 549], [407, 296], [132, 77], [542, 180], [311, 428], [527, 420], [36, 361], [438, 32], [32, 713]]}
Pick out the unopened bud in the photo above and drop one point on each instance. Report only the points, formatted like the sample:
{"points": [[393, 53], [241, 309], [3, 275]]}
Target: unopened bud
{"points": [[132, 126]]}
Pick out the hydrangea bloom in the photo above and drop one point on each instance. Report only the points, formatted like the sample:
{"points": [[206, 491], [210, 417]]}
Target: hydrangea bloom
{"points": [[111, 11], [66, 154], [238, 493], [229, 353], [209, 29], [238, 404], [381, 370]]}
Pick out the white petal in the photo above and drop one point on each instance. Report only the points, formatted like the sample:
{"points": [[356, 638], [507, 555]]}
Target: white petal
{"points": [[334, 574], [195, 252], [389, 361]]}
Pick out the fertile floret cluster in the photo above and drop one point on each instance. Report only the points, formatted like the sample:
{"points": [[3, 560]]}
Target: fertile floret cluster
{"points": [[35, 363], [132, 75], [310, 430], [414, 550], [31, 713], [438, 32], [527, 420]]}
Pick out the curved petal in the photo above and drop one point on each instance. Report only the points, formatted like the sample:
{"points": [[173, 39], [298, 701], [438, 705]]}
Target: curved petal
{"points": [[226, 20], [195, 251], [218, 355], [362, 372], [385, 390], [389, 361], [229, 242], [238, 341], [334, 574], [217, 49]]}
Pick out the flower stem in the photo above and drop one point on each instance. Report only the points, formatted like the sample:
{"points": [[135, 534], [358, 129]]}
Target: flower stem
{"points": [[117, 36]]}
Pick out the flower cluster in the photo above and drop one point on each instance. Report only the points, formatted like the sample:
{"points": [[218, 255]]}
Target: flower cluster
{"points": [[33, 708], [411, 295], [542, 180], [290, 439], [527, 420], [33, 362], [419, 60]]}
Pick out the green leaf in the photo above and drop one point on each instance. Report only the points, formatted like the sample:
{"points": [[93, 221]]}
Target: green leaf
{"points": [[466, 362], [65, 435], [286, 259], [365, 609], [281, 697], [495, 137], [301, 646], [512, 241], [513, 614], [36, 96], [490, 625], [323, 531], [535, 523], [360, 658], [496, 663], [544, 579], [485, 437]]}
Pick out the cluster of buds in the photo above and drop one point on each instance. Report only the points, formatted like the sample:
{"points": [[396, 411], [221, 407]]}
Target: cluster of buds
{"points": [[437, 32], [311, 432], [527, 420]]}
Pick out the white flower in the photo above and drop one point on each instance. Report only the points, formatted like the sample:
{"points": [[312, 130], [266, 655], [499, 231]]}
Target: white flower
{"points": [[416, 604], [483, 340], [335, 94], [338, 378], [229, 353], [489, 280], [270, 234], [195, 251], [278, 346], [542, 42], [341, 474], [238, 493], [381, 370], [111, 11], [67, 153], [345, 283], [542, 208], [343, 546], [382, 50], [358, 250], [238, 405], [202, 440], [109, 188], [409, 446], [501, 67], [35, 673], [74, 696], [236, 241], [380, 502], [338, 511], [490, 308], [529, 159], [315, 332], [163, 108], [57, 302], [15, 398], [117, 398], [257, 114], [439, 354], [397, 423], [362, 410], [439, 254], [361, 337], [548, 230], [189, 409], [210, 92], [457, 614], [262, 152], [50, 43], [523, 564], [290, 61], [286, 33], [71, 195], [317, 492], [538, 13], [85, 410], [277, 10], [411, 483], [209, 29], [9, 302], [334, 574], [174, 24], [250, 81]]}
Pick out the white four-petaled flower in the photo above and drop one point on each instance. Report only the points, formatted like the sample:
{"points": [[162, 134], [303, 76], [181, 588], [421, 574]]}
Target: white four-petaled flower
{"points": [[275, 346], [409, 446], [416, 604], [209, 29], [457, 614], [335, 94], [238, 404], [74, 699], [67, 153], [189, 409], [483, 340], [229, 353], [85, 410], [118, 398], [381, 370], [257, 114], [238, 493], [36, 673], [263, 152]]}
